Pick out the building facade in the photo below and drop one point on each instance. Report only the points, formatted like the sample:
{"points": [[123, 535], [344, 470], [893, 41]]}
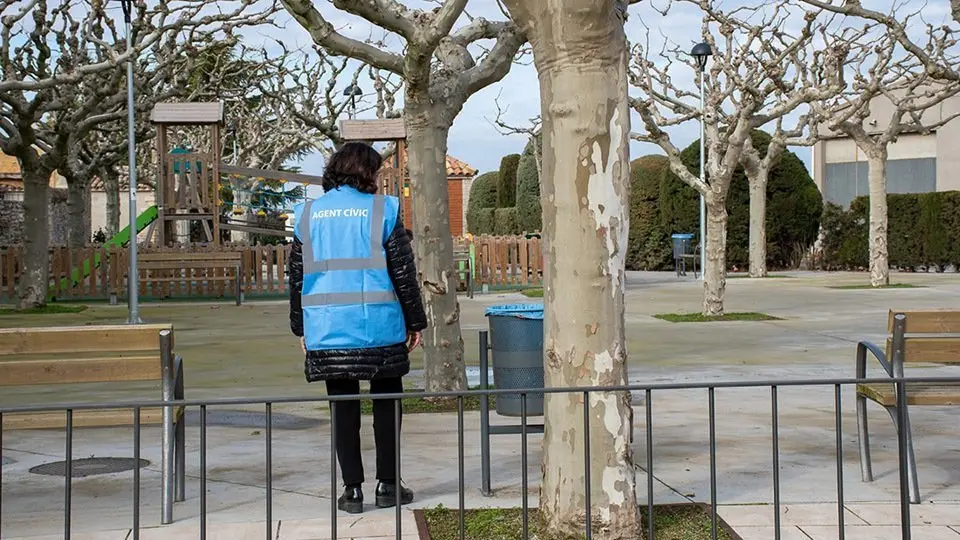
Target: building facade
{"points": [[917, 162]]}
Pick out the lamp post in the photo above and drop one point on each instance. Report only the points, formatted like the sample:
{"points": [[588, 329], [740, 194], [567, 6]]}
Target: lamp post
{"points": [[352, 92], [701, 52], [132, 300]]}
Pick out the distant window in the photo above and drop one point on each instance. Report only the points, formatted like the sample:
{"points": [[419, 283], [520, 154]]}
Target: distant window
{"points": [[844, 182]]}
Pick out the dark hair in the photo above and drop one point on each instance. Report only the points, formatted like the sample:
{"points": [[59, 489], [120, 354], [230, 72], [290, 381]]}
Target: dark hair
{"points": [[409, 233], [356, 165]]}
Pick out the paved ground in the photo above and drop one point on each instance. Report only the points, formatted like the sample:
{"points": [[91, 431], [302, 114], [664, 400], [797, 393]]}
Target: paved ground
{"points": [[247, 351]]}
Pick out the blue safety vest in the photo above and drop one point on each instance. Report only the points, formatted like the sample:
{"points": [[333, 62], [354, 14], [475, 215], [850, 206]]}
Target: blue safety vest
{"points": [[348, 298]]}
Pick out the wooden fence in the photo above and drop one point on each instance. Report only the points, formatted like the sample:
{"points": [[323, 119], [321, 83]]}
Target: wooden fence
{"points": [[96, 272]]}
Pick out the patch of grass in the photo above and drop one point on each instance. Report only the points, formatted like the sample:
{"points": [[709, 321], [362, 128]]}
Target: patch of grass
{"points": [[533, 293], [420, 405], [699, 317], [870, 287], [49, 309], [768, 276], [672, 522]]}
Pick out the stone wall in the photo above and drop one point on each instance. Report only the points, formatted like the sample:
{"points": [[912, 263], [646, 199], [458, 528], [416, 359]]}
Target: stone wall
{"points": [[11, 218]]}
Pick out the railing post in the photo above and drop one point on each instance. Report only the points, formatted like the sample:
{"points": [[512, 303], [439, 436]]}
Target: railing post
{"points": [[167, 437], [484, 418]]}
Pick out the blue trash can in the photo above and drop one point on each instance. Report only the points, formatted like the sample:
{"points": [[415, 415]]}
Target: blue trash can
{"points": [[516, 341], [681, 245]]}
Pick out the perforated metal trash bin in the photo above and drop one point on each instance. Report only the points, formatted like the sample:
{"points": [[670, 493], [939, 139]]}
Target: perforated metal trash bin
{"points": [[516, 341]]}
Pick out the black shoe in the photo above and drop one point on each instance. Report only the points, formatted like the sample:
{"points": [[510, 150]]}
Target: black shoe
{"points": [[351, 501], [387, 495]]}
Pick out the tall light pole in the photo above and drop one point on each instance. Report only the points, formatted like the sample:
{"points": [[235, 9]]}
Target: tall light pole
{"points": [[133, 304], [701, 52]]}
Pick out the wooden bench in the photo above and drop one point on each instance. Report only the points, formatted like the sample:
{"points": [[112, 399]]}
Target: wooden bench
{"points": [[928, 337], [188, 272], [102, 354]]}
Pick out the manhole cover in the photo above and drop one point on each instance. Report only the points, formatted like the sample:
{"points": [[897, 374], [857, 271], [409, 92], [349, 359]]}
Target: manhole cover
{"points": [[251, 419], [89, 467], [7, 461]]}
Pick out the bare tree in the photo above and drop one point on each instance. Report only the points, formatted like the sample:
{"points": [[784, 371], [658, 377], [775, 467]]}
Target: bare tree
{"points": [[440, 73], [585, 183], [881, 105], [39, 84], [937, 50], [760, 72]]}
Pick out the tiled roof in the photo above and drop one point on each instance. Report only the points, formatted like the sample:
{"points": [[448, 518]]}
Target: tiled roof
{"points": [[9, 165], [455, 167]]}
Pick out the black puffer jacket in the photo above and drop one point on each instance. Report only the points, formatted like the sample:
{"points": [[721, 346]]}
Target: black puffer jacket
{"points": [[364, 364]]}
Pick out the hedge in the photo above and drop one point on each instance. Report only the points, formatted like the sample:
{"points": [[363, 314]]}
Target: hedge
{"points": [[505, 222], [647, 248], [529, 212], [483, 194], [923, 230], [507, 181], [794, 206], [485, 221]]}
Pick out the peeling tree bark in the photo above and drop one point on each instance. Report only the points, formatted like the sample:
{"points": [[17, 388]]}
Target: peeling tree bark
{"points": [[580, 52], [758, 226], [429, 202], [879, 259], [36, 236], [715, 275], [78, 208], [111, 185]]}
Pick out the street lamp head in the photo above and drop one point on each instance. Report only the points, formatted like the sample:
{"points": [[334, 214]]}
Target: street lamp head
{"points": [[701, 52], [352, 91], [127, 6]]}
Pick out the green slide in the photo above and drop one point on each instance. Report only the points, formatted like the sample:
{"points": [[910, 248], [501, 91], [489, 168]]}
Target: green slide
{"points": [[118, 240]]}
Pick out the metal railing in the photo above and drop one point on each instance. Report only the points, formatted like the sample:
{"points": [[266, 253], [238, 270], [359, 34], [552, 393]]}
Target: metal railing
{"points": [[648, 391]]}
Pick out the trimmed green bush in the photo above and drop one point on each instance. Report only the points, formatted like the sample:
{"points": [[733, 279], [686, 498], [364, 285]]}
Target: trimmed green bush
{"points": [[505, 222], [794, 207], [648, 246], [483, 194], [923, 230], [507, 181], [485, 221], [529, 212]]}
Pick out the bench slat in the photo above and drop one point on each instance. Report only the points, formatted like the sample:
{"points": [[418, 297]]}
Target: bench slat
{"points": [[938, 350], [84, 370], [76, 339], [104, 418], [917, 394], [928, 321]]}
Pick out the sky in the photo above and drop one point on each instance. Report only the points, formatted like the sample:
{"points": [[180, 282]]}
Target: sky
{"points": [[475, 139]]}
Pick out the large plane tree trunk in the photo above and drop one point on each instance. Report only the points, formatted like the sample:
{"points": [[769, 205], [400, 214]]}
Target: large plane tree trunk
{"points": [[715, 273], [427, 130], [879, 257], [34, 283], [580, 53]]}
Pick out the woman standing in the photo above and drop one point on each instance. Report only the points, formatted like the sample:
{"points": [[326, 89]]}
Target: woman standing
{"points": [[355, 304]]}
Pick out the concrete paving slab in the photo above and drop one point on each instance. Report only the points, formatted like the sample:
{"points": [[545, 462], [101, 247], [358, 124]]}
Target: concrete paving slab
{"points": [[920, 514], [799, 514], [880, 533], [218, 531], [770, 533], [104, 535], [380, 526]]}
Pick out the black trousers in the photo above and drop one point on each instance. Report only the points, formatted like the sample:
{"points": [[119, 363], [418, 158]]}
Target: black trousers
{"points": [[347, 429]]}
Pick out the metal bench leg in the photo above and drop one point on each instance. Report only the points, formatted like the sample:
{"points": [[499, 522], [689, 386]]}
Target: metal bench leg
{"points": [[181, 461], [911, 458], [863, 437]]}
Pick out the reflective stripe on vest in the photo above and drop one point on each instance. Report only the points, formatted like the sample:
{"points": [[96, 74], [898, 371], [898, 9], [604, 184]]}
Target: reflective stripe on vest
{"points": [[376, 261]]}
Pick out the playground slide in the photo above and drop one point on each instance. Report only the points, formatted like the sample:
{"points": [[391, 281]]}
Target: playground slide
{"points": [[118, 240]]}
